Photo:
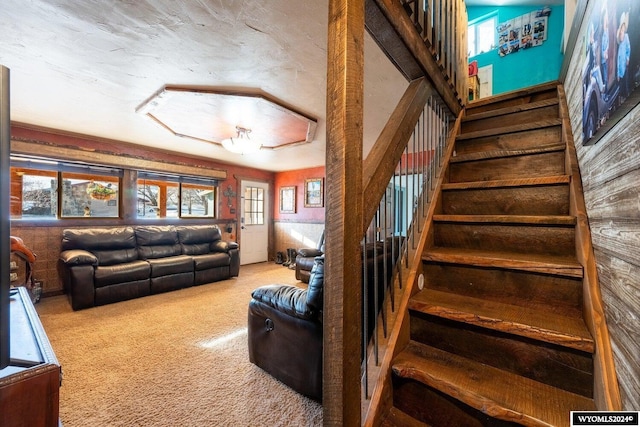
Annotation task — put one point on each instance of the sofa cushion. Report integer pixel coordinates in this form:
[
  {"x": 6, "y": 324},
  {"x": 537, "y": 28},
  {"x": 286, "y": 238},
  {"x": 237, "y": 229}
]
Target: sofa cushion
[
  {"x": 121, "y": 273},
  {"x": 286, "y": 299},
  {"x": 195, "y": 248},
  {"x": 170, "y": 265},
  {"x": 213, "y": 260},
  {"x": 111, "y": 245},
  {"x": 157, "y": 241},
  {"x": 223, "y": 246},
  {"x": 78, "y": 257},
  {"x": 98, "y": 238},
  {"x": 116, "y": 256},
  {"x": 189, "y": 234}
]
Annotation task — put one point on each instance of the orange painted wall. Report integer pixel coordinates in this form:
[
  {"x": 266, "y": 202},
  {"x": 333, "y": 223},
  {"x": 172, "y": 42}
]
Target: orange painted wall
[{"x": 297, "y": 178}]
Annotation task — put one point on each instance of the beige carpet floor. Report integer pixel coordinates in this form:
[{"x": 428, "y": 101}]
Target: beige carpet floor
[{"x": 173, "y": 359}]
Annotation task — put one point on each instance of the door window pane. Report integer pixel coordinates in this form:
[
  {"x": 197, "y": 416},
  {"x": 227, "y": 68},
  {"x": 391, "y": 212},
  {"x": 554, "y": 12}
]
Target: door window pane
[{"x": 253, "y": 206}]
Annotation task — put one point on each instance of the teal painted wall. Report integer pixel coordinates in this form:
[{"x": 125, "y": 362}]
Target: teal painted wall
[{"x": 526, "y": 67}]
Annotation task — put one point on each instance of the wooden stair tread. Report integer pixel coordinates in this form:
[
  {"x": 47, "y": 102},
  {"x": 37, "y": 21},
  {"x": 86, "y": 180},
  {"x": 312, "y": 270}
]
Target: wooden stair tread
[
  {"x": 509, "y": 219},
  {"x": 519, "y": 93},
  {"x": 497, "y": 154},
  {"x": 552, "y": 264},
  {"x": 397, "y": 418},
  {"x": 500, "y": 394},
  {"x": 512, "y": 319},
  {"x": 505, "y": 183},
  {"x": 510, "y": 110},
  {"x": 510, "y": 129}
]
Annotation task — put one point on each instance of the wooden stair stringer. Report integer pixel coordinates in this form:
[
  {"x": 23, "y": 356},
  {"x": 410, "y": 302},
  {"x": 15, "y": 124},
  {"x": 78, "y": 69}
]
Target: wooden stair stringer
[
  {"x": 497, "y": 393},
  {"x": 606, "y": 388}
]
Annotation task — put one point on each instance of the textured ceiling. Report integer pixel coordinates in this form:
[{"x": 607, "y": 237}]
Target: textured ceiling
[{"x": 86, "y": 66}]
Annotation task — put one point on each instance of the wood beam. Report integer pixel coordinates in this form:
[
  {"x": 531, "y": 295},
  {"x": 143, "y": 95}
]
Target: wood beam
[
  {"x": 39, "y": 148},
  {"x": 343, "y": 214},
  {"x": 383, "y": 158}
]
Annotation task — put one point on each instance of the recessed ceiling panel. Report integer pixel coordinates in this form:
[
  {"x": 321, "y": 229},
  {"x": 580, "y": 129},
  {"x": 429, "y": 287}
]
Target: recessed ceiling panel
[{"x": 213, "y": 115}]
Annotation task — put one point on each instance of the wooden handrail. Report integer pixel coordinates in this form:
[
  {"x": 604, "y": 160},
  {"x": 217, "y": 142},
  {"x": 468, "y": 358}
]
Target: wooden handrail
[{"x": 383, "y": 158}]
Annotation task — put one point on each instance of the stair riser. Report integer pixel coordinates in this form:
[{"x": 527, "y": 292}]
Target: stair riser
[
  {"x": 518, "y": 238},
  {"x": 538, "y": 138},
  {"x": 437, "y": 409},
  {"x": 521, "y": 117},
  {"x": 540, "y": 96},
  {"x": 515, "y": 167},
  {"x": 543, "y": 292},
  {"x": 529, "y": 200},
  {"x": 557, "y": 366}
]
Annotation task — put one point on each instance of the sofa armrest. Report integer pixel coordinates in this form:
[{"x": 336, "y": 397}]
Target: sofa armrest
[
  {"x": 309, "y": 252},
  {"x": 223, "y": 246},
  {"x": 287, "y": 299},
  {"x": 78, "y": 257}
]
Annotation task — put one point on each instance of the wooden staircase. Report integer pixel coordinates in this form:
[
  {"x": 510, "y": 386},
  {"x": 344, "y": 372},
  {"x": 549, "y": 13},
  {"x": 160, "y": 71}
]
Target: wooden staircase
[{"x": 496, "y": 335}]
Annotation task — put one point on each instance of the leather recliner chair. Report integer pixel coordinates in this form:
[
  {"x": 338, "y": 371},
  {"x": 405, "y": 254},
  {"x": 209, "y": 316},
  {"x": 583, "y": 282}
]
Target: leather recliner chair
[
  {"x": 285, "y": 332},
  {"x": 285, "y": 321},
  {"x": 305, "y": 259}
]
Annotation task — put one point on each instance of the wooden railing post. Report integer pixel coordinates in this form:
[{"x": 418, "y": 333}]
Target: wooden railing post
[{"x": 343, "y": 214}]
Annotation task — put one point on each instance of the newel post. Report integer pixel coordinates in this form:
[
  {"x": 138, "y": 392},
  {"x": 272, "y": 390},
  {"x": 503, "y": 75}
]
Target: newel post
[{"x": 343, "y": 215}]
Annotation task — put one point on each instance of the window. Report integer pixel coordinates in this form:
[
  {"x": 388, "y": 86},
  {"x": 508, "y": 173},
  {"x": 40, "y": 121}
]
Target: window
[
  {"x": 253, "y": 206},
  {"x": 163, "y": 196},
  {"x": 49, "y": 189},
  {"x": 86, "y": 195},
  {"x": 197, "y": 200},
  {"x": 482, "y": 34},
  {"x": 43, "y": 189},
  {"x": 158, "y": 197},
  {"x": 34, "y": 193}
]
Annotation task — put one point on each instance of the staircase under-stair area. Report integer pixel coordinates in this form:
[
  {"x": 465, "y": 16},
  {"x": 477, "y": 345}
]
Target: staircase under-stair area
[{"x": 497, "y": 336}]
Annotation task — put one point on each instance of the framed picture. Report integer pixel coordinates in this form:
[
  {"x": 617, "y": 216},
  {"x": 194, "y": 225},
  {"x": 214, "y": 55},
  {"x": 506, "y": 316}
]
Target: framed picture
[
  {"x": 610, "y": 74},
  {"x": 288, "y": 199},
  {"x": 313, "y": 193}
]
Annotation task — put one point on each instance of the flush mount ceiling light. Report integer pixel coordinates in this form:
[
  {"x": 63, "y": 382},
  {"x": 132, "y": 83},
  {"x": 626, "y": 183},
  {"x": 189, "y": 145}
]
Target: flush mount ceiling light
[
  {"x": 241, "y": 144},
  {"x": 213, "y": 114}
]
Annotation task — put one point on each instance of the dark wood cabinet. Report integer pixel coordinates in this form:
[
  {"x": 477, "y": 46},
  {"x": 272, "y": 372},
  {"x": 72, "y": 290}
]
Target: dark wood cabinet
[{"x": 29, "y": 387}]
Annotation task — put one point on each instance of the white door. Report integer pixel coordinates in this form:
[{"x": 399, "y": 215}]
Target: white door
[
  {"x": 485, "y": 75},
  {"x": 254, "y": 220}
]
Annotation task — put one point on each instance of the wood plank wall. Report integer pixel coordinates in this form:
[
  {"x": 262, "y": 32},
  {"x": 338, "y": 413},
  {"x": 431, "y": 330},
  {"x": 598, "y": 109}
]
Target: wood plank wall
[{"x": 610, "y": 173}]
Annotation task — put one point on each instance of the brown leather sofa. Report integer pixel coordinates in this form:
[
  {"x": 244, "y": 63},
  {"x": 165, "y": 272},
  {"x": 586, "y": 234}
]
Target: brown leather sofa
[
  {"x": 285, "y": 321},
  {"x": 105, "y": 265}
]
